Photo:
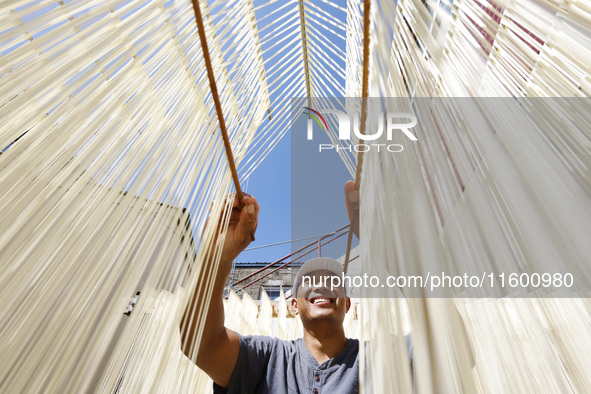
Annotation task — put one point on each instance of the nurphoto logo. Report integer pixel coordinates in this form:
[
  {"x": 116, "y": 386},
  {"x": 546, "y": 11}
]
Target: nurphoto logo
[{"x": 391, "y": 122}]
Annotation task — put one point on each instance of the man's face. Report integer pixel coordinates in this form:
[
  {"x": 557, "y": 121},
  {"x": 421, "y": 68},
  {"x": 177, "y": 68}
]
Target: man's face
[{"x": 316, "y": 301}]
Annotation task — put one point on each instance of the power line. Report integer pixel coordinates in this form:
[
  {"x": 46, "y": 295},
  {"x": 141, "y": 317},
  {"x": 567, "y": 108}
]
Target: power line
[{"x": 293, "y": 240}]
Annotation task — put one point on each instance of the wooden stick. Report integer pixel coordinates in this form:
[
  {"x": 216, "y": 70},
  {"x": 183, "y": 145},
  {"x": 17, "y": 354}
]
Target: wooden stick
[
  {"x": 216, "y": 99},
  {"x": 364, "y": 93}
]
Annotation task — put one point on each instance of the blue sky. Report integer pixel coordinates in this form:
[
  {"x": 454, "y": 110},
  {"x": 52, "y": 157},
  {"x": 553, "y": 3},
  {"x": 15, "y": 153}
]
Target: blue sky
[
  {"x": 270, "y": 183},
  {"x": 300, "y": 193}
]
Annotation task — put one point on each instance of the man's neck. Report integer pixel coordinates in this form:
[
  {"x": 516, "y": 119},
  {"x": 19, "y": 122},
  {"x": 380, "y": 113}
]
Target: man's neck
[{"x": 325, "y": 344}]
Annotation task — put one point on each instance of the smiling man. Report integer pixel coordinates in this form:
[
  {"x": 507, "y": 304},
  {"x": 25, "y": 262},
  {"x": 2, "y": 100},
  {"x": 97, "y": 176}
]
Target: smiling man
[
  {"x": 323, "y": 361},
  {"x": 334, "y": 365}
]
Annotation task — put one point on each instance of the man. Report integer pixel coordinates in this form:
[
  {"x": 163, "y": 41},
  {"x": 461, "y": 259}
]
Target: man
[{"x": 324, "y": 360}]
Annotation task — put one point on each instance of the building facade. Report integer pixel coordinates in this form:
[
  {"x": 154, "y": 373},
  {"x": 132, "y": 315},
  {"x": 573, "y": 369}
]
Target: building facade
[{"x": 272, "y": 283}]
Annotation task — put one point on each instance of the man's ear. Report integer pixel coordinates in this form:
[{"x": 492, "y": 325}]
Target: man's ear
[
  {"x": 294, "y": 306},
  {"x": 348, "y": 305}
]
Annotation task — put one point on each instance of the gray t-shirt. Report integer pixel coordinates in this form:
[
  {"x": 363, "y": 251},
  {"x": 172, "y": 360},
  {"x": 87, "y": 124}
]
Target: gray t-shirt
[{"x": 271, "y": 365}]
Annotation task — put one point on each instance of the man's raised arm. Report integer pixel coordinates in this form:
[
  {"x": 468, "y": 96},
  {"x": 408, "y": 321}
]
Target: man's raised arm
[{"x": 219, "y": 347}]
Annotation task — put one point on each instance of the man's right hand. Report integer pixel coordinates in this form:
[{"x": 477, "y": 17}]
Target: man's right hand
[{"x": 242, "y": 227}]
